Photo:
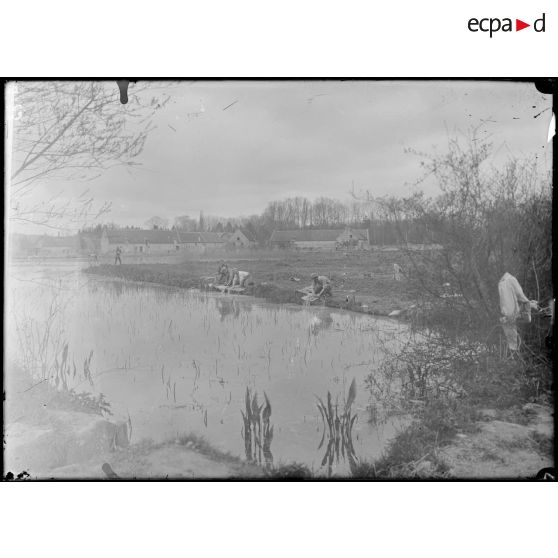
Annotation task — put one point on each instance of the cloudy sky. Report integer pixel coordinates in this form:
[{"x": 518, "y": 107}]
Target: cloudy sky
[{"x": 228, "y": 148}]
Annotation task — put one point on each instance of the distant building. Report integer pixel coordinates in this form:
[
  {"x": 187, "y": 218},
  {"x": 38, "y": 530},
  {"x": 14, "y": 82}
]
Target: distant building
[
  {"x": 354, "y": 238},
  {"x": 201, "y": 241},
  {"x": 239, "y": 239},
  {"x": 190, "y": 241},
  {"x": 321, "y": 239},
  {"x": 139, "y": 241},
  {"x": 213, "y": 240},
  {"x": 158, "y": 241}
]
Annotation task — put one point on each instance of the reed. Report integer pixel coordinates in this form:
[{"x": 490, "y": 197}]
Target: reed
[
  {"x": 257, "y": 430},
  {"x": 338, "y": 421}
]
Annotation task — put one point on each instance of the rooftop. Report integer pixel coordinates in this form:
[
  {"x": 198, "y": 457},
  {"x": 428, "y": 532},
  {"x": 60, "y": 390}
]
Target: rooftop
[
  {"x": 140, "y": 236},
  {"x": 316, "y": 235}
]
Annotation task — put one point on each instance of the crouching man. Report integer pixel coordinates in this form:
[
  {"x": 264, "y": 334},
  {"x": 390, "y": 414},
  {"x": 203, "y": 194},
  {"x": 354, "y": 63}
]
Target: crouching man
[
  {"x": 240, "y": 278},
  {"x": 321, "y": 285},
  {"x": 222, "y": 276}
]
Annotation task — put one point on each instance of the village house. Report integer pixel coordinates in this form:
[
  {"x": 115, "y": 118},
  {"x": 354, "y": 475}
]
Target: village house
[
  {"x": 239, "y": 239},
  {"x": 159, "y": 241},
  {"x": 213, "y": 240},
  {"x": 200, "y": 241},
  {"x": 321, "y": 239},
  {"x": 354, "y": 238},
  {"x": 139, "y": 241},
  {"x": 190, "y": 241}
]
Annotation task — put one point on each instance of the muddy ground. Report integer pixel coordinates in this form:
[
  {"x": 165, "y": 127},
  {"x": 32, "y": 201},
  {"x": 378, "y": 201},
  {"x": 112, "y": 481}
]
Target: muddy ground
[{"x": 504, "y": 447}]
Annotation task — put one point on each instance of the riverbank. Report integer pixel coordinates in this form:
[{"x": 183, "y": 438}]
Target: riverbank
[
  {"x": 498, "y": 444},
  {"x": 362, "y": 281},
  {"x": 187, "y": 457},
  {"x": 57, "y": 434},
  {"x": 476, "y": 413}
]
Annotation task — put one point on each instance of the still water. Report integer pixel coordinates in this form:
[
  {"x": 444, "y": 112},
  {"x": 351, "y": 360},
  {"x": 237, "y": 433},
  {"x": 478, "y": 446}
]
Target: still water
[{"x": 179, "y": 361}]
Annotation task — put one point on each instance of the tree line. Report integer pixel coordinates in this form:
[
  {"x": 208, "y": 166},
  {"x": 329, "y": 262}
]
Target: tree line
[{"x": 298, "y": 213}]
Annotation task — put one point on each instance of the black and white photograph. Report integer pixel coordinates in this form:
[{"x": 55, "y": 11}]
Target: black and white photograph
[{"x": 278, "y": 279}]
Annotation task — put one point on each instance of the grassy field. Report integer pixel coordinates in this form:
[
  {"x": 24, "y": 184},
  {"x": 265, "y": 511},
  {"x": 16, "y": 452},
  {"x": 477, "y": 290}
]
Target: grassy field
[{"x": 366, "y": 277}]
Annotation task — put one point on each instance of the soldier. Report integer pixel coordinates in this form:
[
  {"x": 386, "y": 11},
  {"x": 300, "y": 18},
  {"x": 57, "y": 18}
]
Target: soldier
[
  {"x": 117, "y": 258},
  {"x": 321, "y": 285},
  {"x": 223, "y": 277},
  {"x": 513, "y": 305},
  {"x": 240, "y": 278}
]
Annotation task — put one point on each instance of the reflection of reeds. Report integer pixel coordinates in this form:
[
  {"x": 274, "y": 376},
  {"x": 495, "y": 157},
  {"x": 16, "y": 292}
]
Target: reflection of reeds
[
  {"x": 87, "y": 367},
  {"x": 257, "y": 430},
  {"x": 63, "y": 371},
  {"x": 338, "y": 426}
]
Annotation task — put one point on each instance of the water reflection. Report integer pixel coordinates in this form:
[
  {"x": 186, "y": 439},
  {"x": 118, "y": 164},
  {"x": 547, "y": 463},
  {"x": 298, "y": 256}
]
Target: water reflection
[
  {"x": 257, "y": 430},
  {"x": 321, "y": 322},
  {"x": 227, "y": 306},
  {"x": 338, "y": 421}
]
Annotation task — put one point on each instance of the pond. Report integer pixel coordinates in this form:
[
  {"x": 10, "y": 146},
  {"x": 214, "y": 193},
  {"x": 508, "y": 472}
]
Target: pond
[{"x": 180, "y": 361}]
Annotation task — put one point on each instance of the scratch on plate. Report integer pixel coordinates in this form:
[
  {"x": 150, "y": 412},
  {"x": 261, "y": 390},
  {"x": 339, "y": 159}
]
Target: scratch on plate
[
  {"x": 538, "y": 114},
  {"x": 229, "y": 106}
]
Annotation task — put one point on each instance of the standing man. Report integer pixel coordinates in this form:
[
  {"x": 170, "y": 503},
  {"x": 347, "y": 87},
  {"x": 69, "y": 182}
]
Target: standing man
[
  {"x": 397, "y": 272},
  {"x": 321, "y": 285},
  {"x": 513, "y": 303},
  {"x": 117, "y": 259}
]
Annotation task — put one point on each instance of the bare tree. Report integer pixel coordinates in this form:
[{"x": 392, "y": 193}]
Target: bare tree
[
  {"x": 73, "y": 131},
  {"x": 201, "y": 222},
  {"x": 185, "y": 223}
]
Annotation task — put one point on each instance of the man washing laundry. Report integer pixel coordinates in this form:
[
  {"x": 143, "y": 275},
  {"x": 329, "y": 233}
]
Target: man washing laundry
[
  {"x": 513, "y": 305},
  {"x": 321, "y": 285}
]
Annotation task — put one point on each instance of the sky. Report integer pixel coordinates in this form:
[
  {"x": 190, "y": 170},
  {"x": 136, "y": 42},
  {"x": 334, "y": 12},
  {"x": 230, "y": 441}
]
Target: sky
[{"x": 228, "y": 148}]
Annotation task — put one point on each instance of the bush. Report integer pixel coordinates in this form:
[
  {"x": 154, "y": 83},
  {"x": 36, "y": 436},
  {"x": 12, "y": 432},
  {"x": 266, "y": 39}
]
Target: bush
[
  {"x": 487, "y": 221},
  {"x": 443, "y": 382}
]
